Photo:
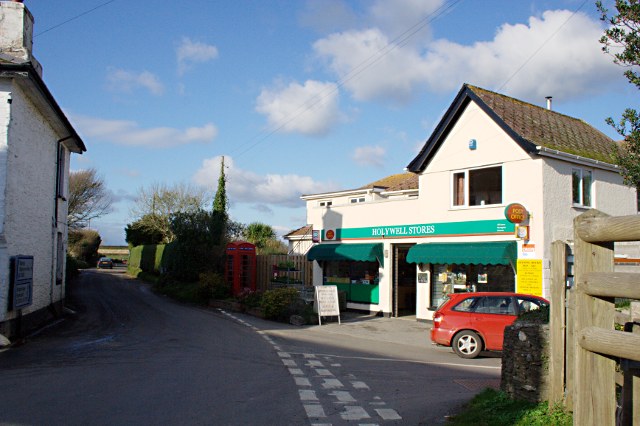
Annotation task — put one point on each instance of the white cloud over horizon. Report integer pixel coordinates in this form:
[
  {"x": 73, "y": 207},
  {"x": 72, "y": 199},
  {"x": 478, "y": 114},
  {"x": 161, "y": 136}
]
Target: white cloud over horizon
[
  {"x": 310, "y": 108},
  {"x": 557, "y": 53},
  {"x": 191, "y": 52},
  {"x": 119, "y": 80},
  {"x": 244, "y": 186},
  {"x": 130, "y": 133},
  {"x": 369, "y": 155}
]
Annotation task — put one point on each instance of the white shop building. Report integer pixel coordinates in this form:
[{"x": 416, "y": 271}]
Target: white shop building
[{"x": 495, "y": 184}]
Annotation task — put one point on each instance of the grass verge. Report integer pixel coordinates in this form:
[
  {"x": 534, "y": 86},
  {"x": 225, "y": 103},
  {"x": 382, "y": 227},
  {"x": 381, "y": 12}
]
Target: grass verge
[{"x": 494, "y": 408}]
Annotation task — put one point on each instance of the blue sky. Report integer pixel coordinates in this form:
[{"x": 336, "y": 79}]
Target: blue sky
[{"x": 300, "y": 97}]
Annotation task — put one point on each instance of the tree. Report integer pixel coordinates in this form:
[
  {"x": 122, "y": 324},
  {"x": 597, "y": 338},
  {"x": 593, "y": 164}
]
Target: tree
[
  {"x": 88, "y": 198},
  {"x": 156, "y": 205},
  {"x": 259, "y": 234},
  {"x": 623, "y": 37},
  {"x": 139, "y": 233},
  {"x": 220, "y": 217},
  {"x": 220, "y": 201},
  {"x": 84, "y": 244}
]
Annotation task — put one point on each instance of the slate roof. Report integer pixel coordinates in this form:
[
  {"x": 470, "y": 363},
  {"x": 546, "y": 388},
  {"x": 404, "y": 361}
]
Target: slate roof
[
  {"x": 300, "y": 232},
  {"x": 397, "y": 182},
  {"x": 529, "y": 125}
]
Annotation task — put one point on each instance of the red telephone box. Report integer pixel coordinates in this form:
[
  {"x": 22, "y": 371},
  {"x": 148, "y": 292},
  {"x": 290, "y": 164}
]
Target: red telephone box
[{"x": 240, "y": 267}]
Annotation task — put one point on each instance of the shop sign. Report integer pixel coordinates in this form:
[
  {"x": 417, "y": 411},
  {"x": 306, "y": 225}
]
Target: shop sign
[
  {"x": 478, "y": 227},
  {"x": 516, "y": 213},
  {"x": 327, "y": 299},
  {"x": 530, "y": 276},
  {"x": 528, "y": 251},
  {"x": 315, "y": 236}
]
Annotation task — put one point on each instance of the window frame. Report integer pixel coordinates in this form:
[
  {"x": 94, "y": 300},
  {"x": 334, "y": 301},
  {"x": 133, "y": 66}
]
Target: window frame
[
  {"x": 461, "y": 177},
  {"x": 580, "y": 202},
  {"x": 357, "y": 200}
]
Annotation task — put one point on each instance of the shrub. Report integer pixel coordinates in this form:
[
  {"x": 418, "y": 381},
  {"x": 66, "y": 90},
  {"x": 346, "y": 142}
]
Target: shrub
[
  {"x": 211, "y": 285},
  {"x": 249, "y": 298},
  {"x": 538, "y": 316},
  {"x": 275, "y": 303},
  {"x": 84, "y": 244}
]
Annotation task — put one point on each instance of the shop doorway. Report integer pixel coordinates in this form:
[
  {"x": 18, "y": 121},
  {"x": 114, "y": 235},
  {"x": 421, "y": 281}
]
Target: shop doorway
[{"x": 404, "y": 282}]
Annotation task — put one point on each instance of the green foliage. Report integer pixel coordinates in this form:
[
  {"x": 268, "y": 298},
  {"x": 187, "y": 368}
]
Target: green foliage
[
  {"x": 140, "y": 233},
  {"x": 495, "y": 408},
  {"x": 183, "y": 292},
  {"x": 623, "y": 34},
  {"x": 84, "y": 244},
  {"x": 250, "y": 298},
  {"x": 259, "y": 234},
  {"x": 198, "y": 246},
  {"x": 220, "y": 200},
  {"x": 212, "y": 285},
  {"x": 275, "y": 303},
  {"x": 538, "y": 316},
  {"x": 72, "y": 268}
]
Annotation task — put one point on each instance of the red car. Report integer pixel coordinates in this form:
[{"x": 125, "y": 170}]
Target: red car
[{"x": 473, "y": 322}]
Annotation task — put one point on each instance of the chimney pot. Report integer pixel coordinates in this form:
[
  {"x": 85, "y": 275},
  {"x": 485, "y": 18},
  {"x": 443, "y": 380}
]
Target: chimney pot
[{"x": 549, "y": 99}]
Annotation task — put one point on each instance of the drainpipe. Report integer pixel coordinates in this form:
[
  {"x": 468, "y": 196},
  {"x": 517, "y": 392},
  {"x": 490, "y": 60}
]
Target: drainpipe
[{"x": 54, "y": 225}]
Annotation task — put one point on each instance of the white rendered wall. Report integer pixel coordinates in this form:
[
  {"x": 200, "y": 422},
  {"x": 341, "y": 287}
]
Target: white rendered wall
[{"x": 30, "y": 189}]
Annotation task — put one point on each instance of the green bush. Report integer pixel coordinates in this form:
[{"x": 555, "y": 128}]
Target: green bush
[
  {"x": 250, "y": 298},
  {"x": 538, "y": 316},
  {"x": 84, "y": 244},
  {"x": 211, "y": 285},
  {"x": 276, "y": 303}
]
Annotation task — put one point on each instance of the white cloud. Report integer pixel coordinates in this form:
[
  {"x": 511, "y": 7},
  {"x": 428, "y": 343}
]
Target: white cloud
[
  {"x": 395, "y": 17},
  {"x": 369, "y": 156},
  {"x": 126, "y": 132},
  {"x": 120, "y": 80},
  {"x": 310, "y": 109},
  {"x": 191, "y": 52},
  {"x": 556, "y": 54},
  {"x": 244, "y": 186}
]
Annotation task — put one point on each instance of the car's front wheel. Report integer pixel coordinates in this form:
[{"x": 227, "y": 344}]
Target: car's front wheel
[{"x": 467, "y": 344}]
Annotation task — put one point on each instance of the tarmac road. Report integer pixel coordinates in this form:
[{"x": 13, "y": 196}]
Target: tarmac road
[{"x": 132, "y": 357}]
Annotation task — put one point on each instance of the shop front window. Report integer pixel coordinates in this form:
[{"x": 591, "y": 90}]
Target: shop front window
[
  {"x": 454, "y": 278},
  {"x": 359, "y": 280}
]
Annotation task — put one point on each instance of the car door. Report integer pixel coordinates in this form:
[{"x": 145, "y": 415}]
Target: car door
[{"x": 492, "y": 315}]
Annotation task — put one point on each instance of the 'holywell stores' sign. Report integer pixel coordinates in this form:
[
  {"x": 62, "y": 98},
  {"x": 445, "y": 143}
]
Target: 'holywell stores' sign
[{"x": 477, "y": 227}]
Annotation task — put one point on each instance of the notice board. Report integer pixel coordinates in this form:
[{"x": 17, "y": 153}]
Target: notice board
[
  {"x": 327, "y": 300},
  {"x": 530, "y": 276}
]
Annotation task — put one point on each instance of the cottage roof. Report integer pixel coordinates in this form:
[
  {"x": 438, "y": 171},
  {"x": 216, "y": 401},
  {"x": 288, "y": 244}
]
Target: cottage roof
[
  {"x": 529, "y": 125},
  {"x": 397, "y": 182},
  {"x": 300, "y": 232}
]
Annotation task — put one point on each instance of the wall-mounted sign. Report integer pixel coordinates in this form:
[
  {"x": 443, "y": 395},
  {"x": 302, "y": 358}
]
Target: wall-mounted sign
[
  {"x": 315, "y": 236},
  {"x": 516, "y": 213},
  {"x": 21, "y": 281},
  {"x": 522, "y": 231},
  {"x": 330, "y": 235},
  {"x": 530, "y": 276}
]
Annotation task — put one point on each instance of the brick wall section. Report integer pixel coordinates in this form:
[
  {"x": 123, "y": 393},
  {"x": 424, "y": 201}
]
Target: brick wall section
[{"x": 525, "y": 361}]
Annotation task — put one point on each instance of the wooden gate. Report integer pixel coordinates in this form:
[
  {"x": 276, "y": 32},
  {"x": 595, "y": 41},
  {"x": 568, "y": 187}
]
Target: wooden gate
[{"x": 584, "y": 374}]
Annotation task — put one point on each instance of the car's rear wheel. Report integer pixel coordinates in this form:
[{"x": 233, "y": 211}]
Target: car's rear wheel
[{"x": 467, "y": 344}]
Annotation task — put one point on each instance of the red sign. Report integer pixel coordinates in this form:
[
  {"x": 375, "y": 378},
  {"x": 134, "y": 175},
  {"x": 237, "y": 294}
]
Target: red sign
[
  {"x": 331, "y": 234},
  {"x": 516, "y": 213}
]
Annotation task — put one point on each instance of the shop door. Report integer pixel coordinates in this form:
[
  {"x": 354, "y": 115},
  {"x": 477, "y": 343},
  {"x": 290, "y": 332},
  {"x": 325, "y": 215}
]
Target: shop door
[{"x": 404, "y": 282}]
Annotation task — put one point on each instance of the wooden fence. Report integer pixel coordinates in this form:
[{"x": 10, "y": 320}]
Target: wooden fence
[
  {"x": 585, "y": 347},
  {"x": 298, "y": 273}
]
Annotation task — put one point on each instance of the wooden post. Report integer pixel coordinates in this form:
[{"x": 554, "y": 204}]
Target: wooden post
[
  {"x": 557, "y": 322},
  {"x": 594, "y": 391}
]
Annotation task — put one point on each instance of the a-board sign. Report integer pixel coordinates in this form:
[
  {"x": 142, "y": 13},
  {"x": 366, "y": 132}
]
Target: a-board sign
[
  {"x": 327, "y": 299},
  {"x": 22, "y": 281}
]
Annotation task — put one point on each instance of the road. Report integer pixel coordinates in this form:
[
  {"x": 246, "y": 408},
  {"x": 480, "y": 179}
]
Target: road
[{"x": 132, "y": 357}]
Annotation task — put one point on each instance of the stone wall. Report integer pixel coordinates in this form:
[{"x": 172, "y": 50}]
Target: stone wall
[{"x": 525, "y": 359}]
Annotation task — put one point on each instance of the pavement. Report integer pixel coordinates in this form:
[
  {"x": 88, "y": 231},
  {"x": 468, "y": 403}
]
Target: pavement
[{"x": 401, "y": 330}]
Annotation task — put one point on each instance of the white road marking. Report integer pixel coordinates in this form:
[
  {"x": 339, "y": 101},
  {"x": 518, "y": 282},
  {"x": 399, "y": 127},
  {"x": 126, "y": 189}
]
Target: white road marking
[
  {"x": 284, "y": 355},
  {"x": 314, "y": 364},
  {"x": 354, "y": 413},
  {"x": 289, "y": 363},
  {"x": 314, "y": 410},
  {"x": 323, "y": 372},
  {"x": 309, "y": 355},
  {"x": 332, "y": 384},
  {"x": 302, "y": 381},
  {"x": 296, "y": 372},
  {"x": 388, "y": 414},
  {"x": 343, "y": 396},
  {"x": 307, "y": 395},
  {"x": 359, "y": 385}
]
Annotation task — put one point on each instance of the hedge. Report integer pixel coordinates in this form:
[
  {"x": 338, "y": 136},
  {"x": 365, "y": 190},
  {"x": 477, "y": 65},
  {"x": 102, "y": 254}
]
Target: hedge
[{"x": 147, "y": 258}]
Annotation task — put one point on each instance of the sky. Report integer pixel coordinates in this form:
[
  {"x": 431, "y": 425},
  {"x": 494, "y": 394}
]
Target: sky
[{"x": 299, "y": 96}]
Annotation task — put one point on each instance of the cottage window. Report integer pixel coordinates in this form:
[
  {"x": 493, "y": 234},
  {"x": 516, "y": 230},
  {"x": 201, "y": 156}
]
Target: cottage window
[
  {"x": 60, "y": 181},
  {"x": 357, "y": 200},
  {"x": 477, "y": 187},
  {"x": 582, "y": 182},
  {"x": 325, "y": 203}
]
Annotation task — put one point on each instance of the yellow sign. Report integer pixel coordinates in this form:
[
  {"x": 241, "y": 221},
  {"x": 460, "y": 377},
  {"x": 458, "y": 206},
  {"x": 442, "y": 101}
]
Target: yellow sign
[{"x": 530, "y": 276}]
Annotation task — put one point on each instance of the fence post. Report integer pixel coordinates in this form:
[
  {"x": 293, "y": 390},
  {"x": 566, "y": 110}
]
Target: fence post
[
  {"x": 594, "y": 375},
  {"x": 557, "y": 322}
]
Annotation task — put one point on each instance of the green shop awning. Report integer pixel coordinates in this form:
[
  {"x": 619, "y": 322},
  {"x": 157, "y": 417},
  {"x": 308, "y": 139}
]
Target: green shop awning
[
  {"x": 358, "y": 252},
  {"x": 489, "y": 253}
]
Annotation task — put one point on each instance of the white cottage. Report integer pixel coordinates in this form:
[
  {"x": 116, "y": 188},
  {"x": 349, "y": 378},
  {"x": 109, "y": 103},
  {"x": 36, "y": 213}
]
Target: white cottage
[
  {"x": 36, "y": 140},
  {"x": 498, "y": 181}
]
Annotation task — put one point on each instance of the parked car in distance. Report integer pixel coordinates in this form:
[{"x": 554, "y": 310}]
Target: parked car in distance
[
  {"x": 105, "y": 263},
  {"x": 473, "y": 322}
]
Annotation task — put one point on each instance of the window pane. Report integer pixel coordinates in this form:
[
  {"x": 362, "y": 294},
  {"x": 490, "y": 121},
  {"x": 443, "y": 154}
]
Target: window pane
[
  {"x": 467, "y": 305},
  {"x": 586, "y": 188},
  {"x": 458, "y": 189},
  {"x": 485, "y": 186},
  {"x": 576, "y": 178}
]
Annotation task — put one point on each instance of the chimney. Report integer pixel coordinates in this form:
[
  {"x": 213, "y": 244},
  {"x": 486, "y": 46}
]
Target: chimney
[
  {"x": 16, "y": 34},
  {"x": 549, "y": 99}
]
